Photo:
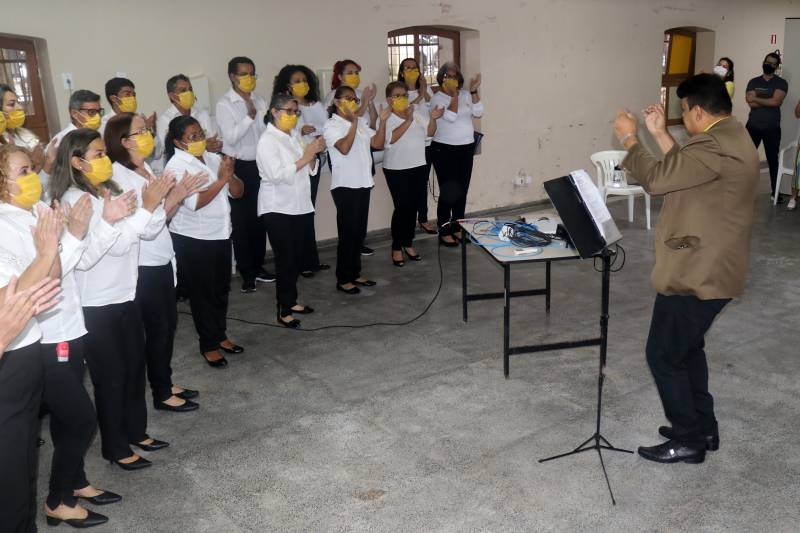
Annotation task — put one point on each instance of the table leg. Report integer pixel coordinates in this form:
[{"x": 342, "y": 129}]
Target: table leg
[
  {"x": 547, "y": 287},
  {"x": 464, "y": 238},
  {"x": 506, "y": 315}
]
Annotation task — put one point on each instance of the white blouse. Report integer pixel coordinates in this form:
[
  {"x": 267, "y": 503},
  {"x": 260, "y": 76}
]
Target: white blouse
[
  {"x": 284, "y": 189},
  {"x": 456, "y": 128},
  {"x": 212, "y": 222},
  {"x": 409, "y": 150},
  {"x": 354, "y": 170},
  {"x": 157, "y": 251},
  {"x": 312, "y": 115}
]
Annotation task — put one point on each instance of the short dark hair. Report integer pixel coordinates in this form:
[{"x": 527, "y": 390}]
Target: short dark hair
[
  {"x": 278, "y": 101},
  {"x": 281, "y": 82},
  {"x": 340, "y": 91},
  {"x": 729, "y": 75},
  {"x": 707, "y": 91},
  {"x": 401, "y": 75},
  {"x": 80, "y": 97},
  {"x": 774, "y": 55},
  {"x": 394, "y": 85},
  {"x": 239, "y": 60},
  {"x": 173, "y": 82},
  {"x": 117, "y": 129},
  {"x": 115, "y": 85},
  {"x": 177, "y": 127}
]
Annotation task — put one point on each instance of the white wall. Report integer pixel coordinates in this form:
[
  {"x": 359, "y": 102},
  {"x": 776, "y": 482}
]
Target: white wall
[{"x": 554, "y": 71}]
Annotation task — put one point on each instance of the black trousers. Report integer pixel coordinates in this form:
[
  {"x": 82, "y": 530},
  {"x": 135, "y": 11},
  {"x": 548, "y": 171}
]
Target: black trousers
[
  {"x": 206, "y": 268},
  {"x": 155, "y": 297},
  {"x": 352, "y": 210},
  {"x": 405, "y": 186},
  {"x": 72, "y": 421},
  {"x": 21, "y": 379},
  {"x": 310, "y": 261},
  {"x": 677, "y": 360},
  {"x": 287, "y": 234},
  {"x": 772, "y": 146},
  {"x": 249, "y": 239},
  {"x": 115, "y": 356},
  {"x": 453, "y": 164},
  {"x": 422, "y": 199}
]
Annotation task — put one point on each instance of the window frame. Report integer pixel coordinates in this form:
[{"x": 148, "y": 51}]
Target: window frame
[{"x": 416, "y": 31}]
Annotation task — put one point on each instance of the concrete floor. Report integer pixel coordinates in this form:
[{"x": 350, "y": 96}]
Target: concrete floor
[{"x": 414, "y": 428}]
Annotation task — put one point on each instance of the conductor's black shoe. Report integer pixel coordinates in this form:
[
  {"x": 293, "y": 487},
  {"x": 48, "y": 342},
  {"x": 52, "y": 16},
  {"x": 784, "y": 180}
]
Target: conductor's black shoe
[
  {"x": 366, "y": 250},
  {"x": 672, "y": 451},
  {"x": 265, "y": 276},
  {"x": 712, "y": 441},
  {"x": 187, "y": 405},
  {"x": 248, "y": 286}
]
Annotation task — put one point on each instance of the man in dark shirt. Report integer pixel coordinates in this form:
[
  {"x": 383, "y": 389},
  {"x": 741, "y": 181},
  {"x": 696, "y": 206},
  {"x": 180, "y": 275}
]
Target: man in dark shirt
[{"x": 765, "y": 95}]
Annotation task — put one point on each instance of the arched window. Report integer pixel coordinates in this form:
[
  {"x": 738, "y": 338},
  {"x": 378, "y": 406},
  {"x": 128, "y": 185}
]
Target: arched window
[{"x": 429, "y": 45}]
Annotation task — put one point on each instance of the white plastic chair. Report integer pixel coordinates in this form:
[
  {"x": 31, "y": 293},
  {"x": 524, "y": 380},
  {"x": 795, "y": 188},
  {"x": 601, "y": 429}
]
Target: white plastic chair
[
  {"x": 605, "y": 162},
  {"x": 783, "y": 169}
]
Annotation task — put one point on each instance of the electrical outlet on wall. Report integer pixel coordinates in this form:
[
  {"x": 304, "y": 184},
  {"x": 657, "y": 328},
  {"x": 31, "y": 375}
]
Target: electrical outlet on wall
[{"x": 66, "y": 77}]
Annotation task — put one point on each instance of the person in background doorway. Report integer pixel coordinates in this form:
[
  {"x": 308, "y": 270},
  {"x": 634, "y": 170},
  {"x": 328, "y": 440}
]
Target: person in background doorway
[
  {"x": 240, "y": 116},
  {"x": 121, "y": 96},
  {"x": 764, "y": 95},
  {"x": 724, "y": 70}
]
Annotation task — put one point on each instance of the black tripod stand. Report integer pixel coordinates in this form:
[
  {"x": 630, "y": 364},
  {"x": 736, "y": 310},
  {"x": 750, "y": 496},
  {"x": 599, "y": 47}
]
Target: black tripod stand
[{"x": 598, "y": 441}]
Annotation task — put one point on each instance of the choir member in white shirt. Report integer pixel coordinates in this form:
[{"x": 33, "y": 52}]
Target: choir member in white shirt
[
  {"x": 106, "y": 278},
  {"x": 121, "y": 96},
  {"x": 419, "y": 95},
  {"x": 302, "y": 84},
  {"x": 348, "y": 73},
  {"x": 404, "y": 165},
  {"x": 129, "y": 142},
  {"x": 182, "y": 99},
  {"x": 12, "y": 120},
  {"x": 285, "y": 163},
  {"x": 240, "y": 117},
  {"x": 349, "y": 141},
  {"x": 72, "y": 415},
  {"x": 453, "y": 147},
  {"x": 201, "y": 230}
]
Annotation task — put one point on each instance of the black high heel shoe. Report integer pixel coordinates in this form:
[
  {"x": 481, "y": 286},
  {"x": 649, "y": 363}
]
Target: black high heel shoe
[
  {"x": 104, "y": 498},
  {"x": 138, "y": 464},
  {"x": 153, "y": 446},
  {"x": 400, "y": 262},
  {"x": 91, "y": 520},
  {"x": 412, "y": 257},
  {"x": 219, "y": 363}
]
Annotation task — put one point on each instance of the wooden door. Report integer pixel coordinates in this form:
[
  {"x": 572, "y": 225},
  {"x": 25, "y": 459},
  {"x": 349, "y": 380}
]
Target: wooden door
[{"x": 19, "y": 69}]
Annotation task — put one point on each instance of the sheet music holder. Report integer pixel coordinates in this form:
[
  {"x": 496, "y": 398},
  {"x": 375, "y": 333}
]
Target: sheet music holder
[{"x": 583, "y": 212}]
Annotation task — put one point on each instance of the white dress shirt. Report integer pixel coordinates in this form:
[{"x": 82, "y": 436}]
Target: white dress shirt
[
  {"x": 284, "y": 189},
  {"x": 109, "y": 276},
  {"x": 13, "y": 264},
  {"x": 108, "y": 116},
  {"x": 240, "y": 133},
  {"x": 353, "y": 170},
  {"x": 211, "y": 222},
  {"x": 456, "y": 128},
  {"x": 162, "y": 126},
  {"x": 64, "y": 322},
  {"x": 312, "y": 115},
  {"x": 157, "y": 251},
  {"x": 409, "y": 150}
]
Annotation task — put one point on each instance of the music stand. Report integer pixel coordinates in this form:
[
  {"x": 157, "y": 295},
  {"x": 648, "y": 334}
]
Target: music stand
[{"x": 591, "y": 229}]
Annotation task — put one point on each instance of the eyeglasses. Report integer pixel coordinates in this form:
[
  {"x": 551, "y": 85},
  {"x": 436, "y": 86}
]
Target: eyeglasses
[
  {"x": 141, "y": 131},
  {"x": 351, "y": 99},
  {"x": 255, "y": 76},
  {"x": 93, "y": 112},
  {"x": 290, "y": 111},
  {"x": 450, "y": 76},
  {"x": 196, "y": 137}
]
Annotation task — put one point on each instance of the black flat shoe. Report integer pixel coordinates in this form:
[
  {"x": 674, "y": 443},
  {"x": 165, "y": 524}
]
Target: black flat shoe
[
  {"x": 324, "y": 266},
  {"x": 366, "y": 250},
  {"x": 292, "y": 324},
  {"x": 187, "y": 394},
  {"x": 712, "y": 441},
  {"x": 236, "y": 349},
  {"x": 447, "y": 244},
  {"x": 138, "y": 464},
  {"x": 91, "y": 520},
  {"x": 154, "y": 446},
  {"x": 306, "y": 310},
  {"x": 353, "y": 290},
  {"x": 672, "y": 451},
  {"x": 412, "y": 257},
  {"x": 104, "y": 498},
  {"x": 367, "y": 283},
  {"x": 186, "y": 406},
  {"x": 219, "y": 363}
]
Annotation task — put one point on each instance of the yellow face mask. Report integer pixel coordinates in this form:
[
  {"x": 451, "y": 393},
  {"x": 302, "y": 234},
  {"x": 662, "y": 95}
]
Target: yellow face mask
[
  {"x": 400, "y": 104},
  {"x": 92, "y": 122},
  {"x": 145, "y": 144},
  {"x": 300, "y": 90},
  {"x": 101, "y": 170},
  {"x": 127, "y": 104},
  {"x": 30, "y": 190},
  {"x": 247, "y": 83},
  {"x": 450, "y": 84},
  {"x": 196, "y": 148},
  {"x": 2, "y": 122},
  {"x": 287, "y": 122},
  {"x": 15, "y": 119},
  {"x": 186, "y": 99},
  {"x": 348, "y": 105},
  {"x": 352, "y": 80},
  {"x": 411, "y": 76}
]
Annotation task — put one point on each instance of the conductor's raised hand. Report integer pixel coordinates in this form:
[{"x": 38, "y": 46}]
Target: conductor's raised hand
[
  {"x": 625, "y": 125},
  {"x": 654, "y": 119}
]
